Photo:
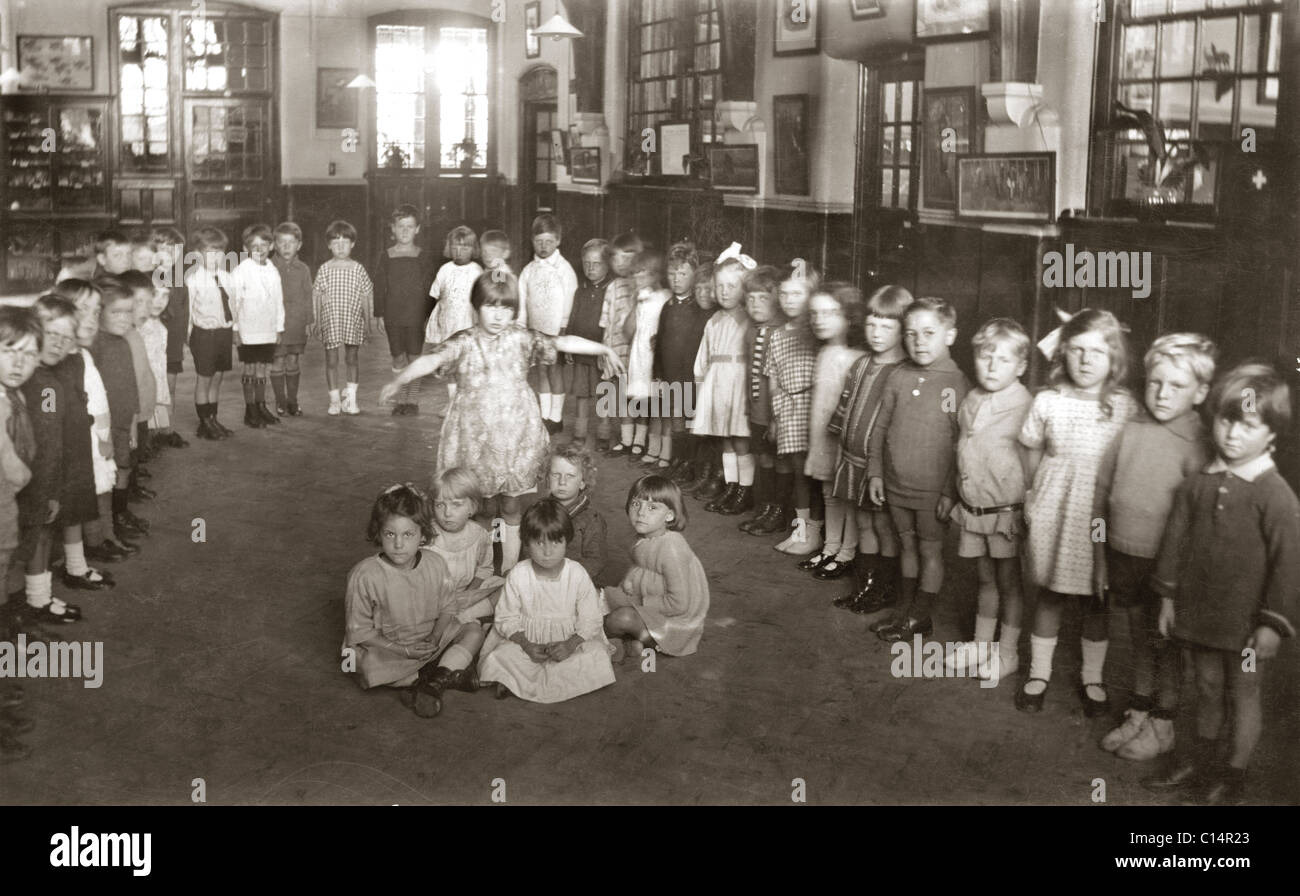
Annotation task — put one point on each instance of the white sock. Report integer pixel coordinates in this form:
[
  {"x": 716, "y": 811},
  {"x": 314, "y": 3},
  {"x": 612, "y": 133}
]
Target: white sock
[
  {"x": 625, "y": 434},
  {"x": 352, "y": 392},
  {"x": 1009, "y": 641},
  {"x": 75, "y": 556},
  {"x": 451, "y": 392},
  {"x": 654, "y": 445},
  {"x": 510, "y": 545},
  {"x": 1040, "y": 657},
  {"x": 745, "y": 468},
  {"x": 455, "y": 658},
  {"x": 666, "y": 447},
  {"x": 557, "y": 407},
  {"x": 730, "y": 471},
  {"x": 639, "y": 433},
  {"x": 40, "y": 589},
  {"x": 1094, "y": 658},
  {"x": 985, "y": 626},
  {"x": 334, "y": 396},
  {"x": 544, "y": 403}
]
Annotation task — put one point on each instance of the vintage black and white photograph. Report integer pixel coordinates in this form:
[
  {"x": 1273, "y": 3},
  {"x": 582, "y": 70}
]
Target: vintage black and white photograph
[{"x": 653, "y": 403}]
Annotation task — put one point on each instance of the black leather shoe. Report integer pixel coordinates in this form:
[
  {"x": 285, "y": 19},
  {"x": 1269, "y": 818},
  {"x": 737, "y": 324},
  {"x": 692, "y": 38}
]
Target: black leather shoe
[
  {"x": 1031, "y": 702},
  {"x": 816, "y": 561},
  {"x": 129, "y": 523},
  {"x": 265, "y": 413},
  {"x": 1183, "y": 773},
  {"x": 836, "y": 569},
  {"x": 875, "y": 597},
  {"x": 713, "y": 488},
  {"x": 779, "y": 521},
  {"x": 765, "y": 510},
  {"x": 465, "y": 680},
  {"x": 294, "y": 410},
  {"x": 718, "y": 503},
  {"x": 905, "y": 630},
  {"x": 684, "y": 475},
  {"x": 742, "y": 500},
  {"x": 252, "y": 419},
  {"x": 108, "y": 552},
  {"x": 44, "y": 615},
  {"x": 220, "y": 430},
  {"x": 174, "y": 439},
  {"x": 1093, "y": 708},
  {"x": 85, "y": 582},
  {"x": 206, "y": 432}
]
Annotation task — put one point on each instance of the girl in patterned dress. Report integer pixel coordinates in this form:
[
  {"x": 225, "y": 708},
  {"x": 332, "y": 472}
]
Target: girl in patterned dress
[
  {"x": 451, "y": 289},
  {"x": 493, "y": 427},
  {"x": 791, "y": 363},
  {"x": 1070, "y": 425},
  {"x": 344, "y": 310},
  {"x": 720, "y": 408}
]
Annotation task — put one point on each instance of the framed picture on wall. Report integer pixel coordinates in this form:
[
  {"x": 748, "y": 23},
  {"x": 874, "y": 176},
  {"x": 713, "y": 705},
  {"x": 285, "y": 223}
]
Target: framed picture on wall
[
  {"x": 336, "y": 105},
  {"x": 55, "y": 62},
  {"x": 734, "y": 167},
  {"x": 790, "y": 131},
  {"x": 951, "y": 19},
  {"x": 947, "y": 131},
  {"x": 796, "y": 28},
  {"x": 532, "y": 18},
  {"x": 1016, "y": 186},
  {"x": 584, "y": 164},
  {"x": 866, "y": 9},
  {"x": 674, "y": 144}
]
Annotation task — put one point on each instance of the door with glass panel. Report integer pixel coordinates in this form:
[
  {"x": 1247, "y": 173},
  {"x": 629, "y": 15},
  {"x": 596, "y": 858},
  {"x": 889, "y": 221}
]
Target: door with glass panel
[{"x": 195, "y": 114}]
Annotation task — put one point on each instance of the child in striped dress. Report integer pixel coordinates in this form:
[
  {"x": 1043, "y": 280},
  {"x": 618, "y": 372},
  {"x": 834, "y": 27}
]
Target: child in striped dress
[
  {"x": 344, "y": 310},
  {"x": 876, "y": 563}
]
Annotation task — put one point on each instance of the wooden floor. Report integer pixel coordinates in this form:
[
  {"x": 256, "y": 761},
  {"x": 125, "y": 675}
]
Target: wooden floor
[{"x": 222, "y": 663}]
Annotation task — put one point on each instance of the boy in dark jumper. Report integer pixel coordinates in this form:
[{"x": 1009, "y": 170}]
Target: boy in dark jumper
[{"x": 112, "y": 356}]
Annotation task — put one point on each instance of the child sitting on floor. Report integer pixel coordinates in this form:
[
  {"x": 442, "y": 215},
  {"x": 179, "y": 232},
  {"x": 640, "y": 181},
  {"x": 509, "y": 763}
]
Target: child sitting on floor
[
  {"x": 462, "y": 543},
  {"x": 546, "y": 644},
  {"x": 664, "y": 597},
  {"x": 401, "y": 627}
]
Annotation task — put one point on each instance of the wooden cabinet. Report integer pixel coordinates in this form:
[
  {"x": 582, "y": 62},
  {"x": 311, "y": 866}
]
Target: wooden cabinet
[{"x": 53, "y": 165}]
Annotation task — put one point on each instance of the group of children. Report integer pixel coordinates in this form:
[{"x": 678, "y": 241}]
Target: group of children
[{"x": 846, "y": 426}]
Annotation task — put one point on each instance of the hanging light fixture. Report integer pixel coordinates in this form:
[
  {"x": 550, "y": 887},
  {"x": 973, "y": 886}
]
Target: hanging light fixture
[
  {"x": 360, "y": 81},
  {"x": 557, "y": 27}
]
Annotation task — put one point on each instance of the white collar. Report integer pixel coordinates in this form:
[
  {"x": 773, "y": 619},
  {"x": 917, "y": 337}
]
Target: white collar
[{"x": 1249, "y": 471}]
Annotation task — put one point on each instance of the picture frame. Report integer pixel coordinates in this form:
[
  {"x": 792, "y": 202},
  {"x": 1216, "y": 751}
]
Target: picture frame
[
  {"x": 948, "y": 129},
  {"x": 1007, "y": 186},
  {"x": 734, "y": 167},
  {"x": 866, "y": 9},
  {"x": 532, "y": 18},
  {"x": 951, "y": 19},
  {"x": 790, "y": 132},
  {"x": 674, "y": 145},
  {"x": 56, "y": 63},
  {"x": 336, "y": 104},
  {"x": 584, "y": 164},
  {"x": 796, "y": 38}
]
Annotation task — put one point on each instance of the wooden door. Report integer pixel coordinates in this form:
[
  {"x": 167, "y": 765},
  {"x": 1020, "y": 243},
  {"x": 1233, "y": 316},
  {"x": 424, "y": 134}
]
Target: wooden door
[
  {"x": 539, "y": 161},
  {"x": 229, "y": 177}
]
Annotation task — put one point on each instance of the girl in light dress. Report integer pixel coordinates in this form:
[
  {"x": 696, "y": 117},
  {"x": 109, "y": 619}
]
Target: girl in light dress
[
  {"x": 451, "y": 290},
  {"x": 1069, "y": 427},
  {"x": 546, "y": 643}
]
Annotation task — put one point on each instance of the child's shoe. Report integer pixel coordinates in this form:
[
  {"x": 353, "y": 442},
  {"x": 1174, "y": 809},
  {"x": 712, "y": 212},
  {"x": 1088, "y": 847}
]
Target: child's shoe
[
  {"x": 965, "y": 656},
  {"x": 805, "y": 539},
  {"x": 67, "y": 613},
  {"x": 602, "y": 446},
  {"x": 1155, "y": 738},
  {"x": 336, "y": 403},
  {"x": 252, "y": 419},
  {"x": 1134, "y": 721},
  {"x": 281, "y": 410},
  {"x": 174, "y": 439},
  {"x": 265, "y": 413},
  {"x": 997, "y": 665},
  {"x": 92, "y": 580},
  {"x": 350, "y": 405},
  {"x": 294, "y": 410}
]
